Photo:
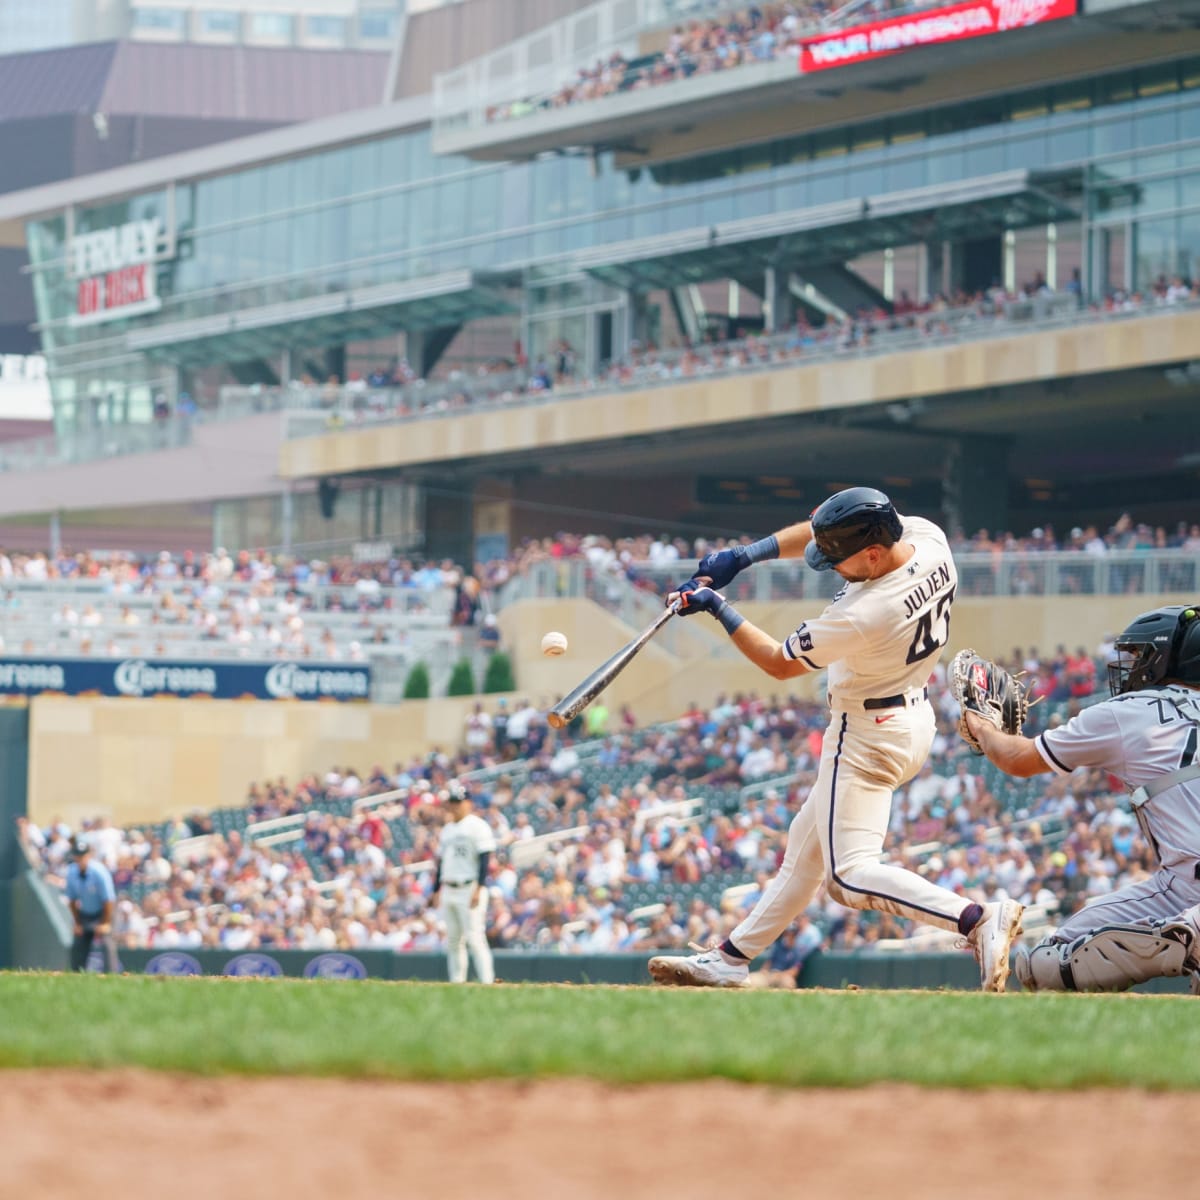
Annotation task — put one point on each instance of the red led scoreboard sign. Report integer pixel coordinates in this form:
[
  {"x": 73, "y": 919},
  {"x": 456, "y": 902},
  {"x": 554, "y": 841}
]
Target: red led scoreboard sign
[
  {"x": 115, "y": 273},
  {"x": 951, "y": 24}
]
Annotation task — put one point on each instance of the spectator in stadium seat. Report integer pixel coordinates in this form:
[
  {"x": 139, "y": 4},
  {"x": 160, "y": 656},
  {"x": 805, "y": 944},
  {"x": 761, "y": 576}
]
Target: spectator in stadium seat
[{"x": 489, "y": 633}]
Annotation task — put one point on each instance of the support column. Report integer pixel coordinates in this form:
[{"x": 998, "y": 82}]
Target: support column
[
  {"x": 769, "y": 325},
  {"x": 492, "y": 519},
  {"x": 639, "y": 318},
  {"x": 975, "y": 485},
  {"x": 448, "y": 521},
  {"x": 423, "y": 347},
  {"x": 931, "y": 279},
  {"x": 335, "y": 362},
  {"x": 785, "y": 301},
  {"x": 287, "y": 518},
  {"x": 977, "y": 264}
]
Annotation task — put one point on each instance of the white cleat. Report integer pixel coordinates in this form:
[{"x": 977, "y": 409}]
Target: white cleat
[
  {"x": 699, "y": 970},
  {"x": 992, "y": 941}
]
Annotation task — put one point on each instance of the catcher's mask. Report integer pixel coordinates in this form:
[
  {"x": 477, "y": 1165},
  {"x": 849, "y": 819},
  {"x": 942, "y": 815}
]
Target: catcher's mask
[
  {"x": 1158, "y": 645},
  {"x": 848, "y": 522}
]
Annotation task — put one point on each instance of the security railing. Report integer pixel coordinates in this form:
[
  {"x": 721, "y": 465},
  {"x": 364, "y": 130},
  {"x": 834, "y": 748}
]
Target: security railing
[
  {"x": 87, "y": 445},
  {"x": 1012, "y": 573},
  {"x": 777, "y": 352},
  {"x": 316, "y": 409},
  {"x": 521, "y": 76}
]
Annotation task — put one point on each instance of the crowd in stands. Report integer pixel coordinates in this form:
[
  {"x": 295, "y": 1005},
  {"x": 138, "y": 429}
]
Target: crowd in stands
[
  {"x": 904, "y": 324},
  {"x": 252, "y": 602},
  {"x": 757, "y": 33},
  {"x": 259, "y": 602},
  {"x": 629, "y": 864}
]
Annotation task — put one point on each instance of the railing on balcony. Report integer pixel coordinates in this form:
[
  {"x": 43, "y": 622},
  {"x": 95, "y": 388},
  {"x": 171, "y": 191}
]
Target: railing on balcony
[
  {"x": 1014, "y": 573},
  {"x": 348, "y": 409}
]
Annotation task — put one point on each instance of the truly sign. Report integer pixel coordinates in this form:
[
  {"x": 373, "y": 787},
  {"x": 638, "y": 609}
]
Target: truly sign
[{"x": 114, "y": 270}]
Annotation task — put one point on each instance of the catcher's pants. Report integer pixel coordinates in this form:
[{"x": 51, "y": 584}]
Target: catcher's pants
[
  {"x": 836, "y": 838},
  {"x": 466, "y": 927},
  {"x": 1160, "y": 898}
]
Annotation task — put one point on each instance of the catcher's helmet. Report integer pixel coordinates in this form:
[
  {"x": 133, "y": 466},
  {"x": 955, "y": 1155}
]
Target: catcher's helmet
[
  {"x": 1158, "y": 645},
  {"x": 848, "y": 522}
]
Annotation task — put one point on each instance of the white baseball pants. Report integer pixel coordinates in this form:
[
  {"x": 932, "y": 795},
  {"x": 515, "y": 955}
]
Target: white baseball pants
[
  {"x": 466, "y": 928},
  {"x": 836, "y": 838}
]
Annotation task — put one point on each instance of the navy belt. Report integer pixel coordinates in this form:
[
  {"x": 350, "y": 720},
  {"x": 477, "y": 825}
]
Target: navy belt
[{"x": 892, "y": 701}]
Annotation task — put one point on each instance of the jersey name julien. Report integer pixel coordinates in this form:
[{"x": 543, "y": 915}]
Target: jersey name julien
[
  {"x": 461, "y": 844},
  {"x": 882, "y": 637},
  {"x": 1139, "y": 738}
]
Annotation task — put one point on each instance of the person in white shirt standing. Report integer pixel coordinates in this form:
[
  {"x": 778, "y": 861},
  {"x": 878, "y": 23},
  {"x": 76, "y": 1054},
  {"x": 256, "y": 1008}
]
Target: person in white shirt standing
[
  {"x": 1147, "y": 735},
  {"x": 465, "y": 848},
  {"x": 879, "y": 637}
]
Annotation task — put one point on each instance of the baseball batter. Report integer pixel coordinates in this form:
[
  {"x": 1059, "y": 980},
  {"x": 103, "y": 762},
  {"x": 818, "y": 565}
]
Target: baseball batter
[
  {"x": 465, "y": 848},
  {"x": 1146, "y": 735},
  {"x": 879, "y": 638}
]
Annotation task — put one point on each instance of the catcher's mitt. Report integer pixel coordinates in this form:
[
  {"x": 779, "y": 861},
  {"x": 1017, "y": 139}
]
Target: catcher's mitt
[{"x": 984, "y": 688}]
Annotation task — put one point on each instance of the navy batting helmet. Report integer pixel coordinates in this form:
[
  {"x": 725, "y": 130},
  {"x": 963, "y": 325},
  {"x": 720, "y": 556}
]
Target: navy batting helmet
[{"x": 848, "y": 522}]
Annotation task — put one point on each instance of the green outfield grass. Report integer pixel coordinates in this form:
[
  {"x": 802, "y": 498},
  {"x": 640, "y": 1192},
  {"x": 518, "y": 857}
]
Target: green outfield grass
[{"x": 623, "y": 1035}]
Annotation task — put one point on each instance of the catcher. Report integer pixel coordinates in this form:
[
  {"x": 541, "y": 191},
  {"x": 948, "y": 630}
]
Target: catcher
[{"x": 1146, "y": 735}]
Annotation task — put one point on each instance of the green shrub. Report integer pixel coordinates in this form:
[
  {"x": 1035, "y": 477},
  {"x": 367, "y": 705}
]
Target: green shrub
[
  {"x": 499, "y": 674},
  {"x": 462, "y": 680},
  {"x": 416, "y": 686}
]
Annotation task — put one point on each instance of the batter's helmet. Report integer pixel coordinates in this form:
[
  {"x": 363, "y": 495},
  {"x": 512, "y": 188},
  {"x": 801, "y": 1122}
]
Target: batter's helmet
[
  {"x": 1158, "y": 645},
  {"x": 848, "y": 522}
]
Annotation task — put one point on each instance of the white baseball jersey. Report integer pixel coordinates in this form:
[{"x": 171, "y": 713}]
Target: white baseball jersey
[
  {"x": 1140, "y": 737},
  {"x": 460, "y": 846},
  {"x": 882, "y": 637}
]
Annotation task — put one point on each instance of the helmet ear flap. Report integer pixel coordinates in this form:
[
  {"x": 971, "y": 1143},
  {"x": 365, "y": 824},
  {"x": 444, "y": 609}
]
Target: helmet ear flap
[{"x": 1185, "y": 655}]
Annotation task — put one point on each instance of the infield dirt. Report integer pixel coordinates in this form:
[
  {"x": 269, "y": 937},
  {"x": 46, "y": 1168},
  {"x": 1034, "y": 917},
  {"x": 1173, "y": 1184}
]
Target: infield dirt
[{"x": 69, "y": 1133}]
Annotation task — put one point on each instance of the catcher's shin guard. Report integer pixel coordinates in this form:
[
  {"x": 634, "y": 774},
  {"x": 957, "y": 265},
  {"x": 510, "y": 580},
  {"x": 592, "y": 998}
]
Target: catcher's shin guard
[{"x": 1110, "y": 959}]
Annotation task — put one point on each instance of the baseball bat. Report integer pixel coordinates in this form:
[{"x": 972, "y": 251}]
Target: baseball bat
[{"x": 571, "y": 705}]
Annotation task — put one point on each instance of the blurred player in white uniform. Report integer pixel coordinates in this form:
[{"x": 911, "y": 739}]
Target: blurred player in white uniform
[
  {"x": 879, "y": 637},
  {"x": 465, "y": 848},
  {"x": 1147, "y": 735}
]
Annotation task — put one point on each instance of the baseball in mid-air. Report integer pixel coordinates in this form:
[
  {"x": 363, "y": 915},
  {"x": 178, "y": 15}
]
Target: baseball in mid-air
[{"x": 554, "y": 643}]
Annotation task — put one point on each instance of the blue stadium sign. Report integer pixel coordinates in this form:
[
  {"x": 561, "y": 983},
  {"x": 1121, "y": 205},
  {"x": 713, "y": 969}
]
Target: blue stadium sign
[
  {"x": 174, "y": 962},
  {"x": 248, "y": 966},
  {"x": 215, "y": 679},
  {"x": 335, "y": 966}
]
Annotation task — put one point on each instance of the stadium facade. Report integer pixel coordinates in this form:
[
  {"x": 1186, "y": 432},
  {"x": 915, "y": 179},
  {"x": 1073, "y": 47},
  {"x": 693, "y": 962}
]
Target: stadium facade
[
  {"x": 949, "y": 150},
  {"x": 312, "y": 24},
  {"x": 84, "y": 109}
]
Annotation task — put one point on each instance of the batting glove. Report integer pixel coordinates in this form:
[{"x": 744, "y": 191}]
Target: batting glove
[
  {"x": 722, "y": 566},
  {"x": 695, "y": 597}
]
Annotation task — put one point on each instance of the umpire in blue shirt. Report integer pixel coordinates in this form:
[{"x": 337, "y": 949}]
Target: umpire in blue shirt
[{"x": 92, "y": 898}]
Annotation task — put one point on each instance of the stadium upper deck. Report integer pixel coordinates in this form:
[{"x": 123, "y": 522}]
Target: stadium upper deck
[{"x": 1059, "y": 157}]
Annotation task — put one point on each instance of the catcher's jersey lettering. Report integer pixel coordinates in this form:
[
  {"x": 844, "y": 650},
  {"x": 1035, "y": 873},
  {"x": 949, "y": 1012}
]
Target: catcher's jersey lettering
[
  {"x": 1139, "y": 738},
  {"x": 881, "y": 637}
]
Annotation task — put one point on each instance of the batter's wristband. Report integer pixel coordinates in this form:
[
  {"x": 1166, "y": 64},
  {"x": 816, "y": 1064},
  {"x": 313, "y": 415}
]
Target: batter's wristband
[
  {"x": 731, "y": 620},
  {"x": 764, "y": 548}
]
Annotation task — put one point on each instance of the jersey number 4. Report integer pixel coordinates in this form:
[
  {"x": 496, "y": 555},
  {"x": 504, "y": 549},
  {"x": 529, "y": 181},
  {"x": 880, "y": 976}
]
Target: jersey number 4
[{"x": 925, "y": 642}]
